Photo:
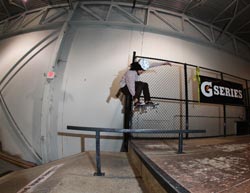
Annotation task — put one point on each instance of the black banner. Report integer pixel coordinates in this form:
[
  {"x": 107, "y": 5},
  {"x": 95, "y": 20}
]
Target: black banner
[{"x": 219, "y": 91}]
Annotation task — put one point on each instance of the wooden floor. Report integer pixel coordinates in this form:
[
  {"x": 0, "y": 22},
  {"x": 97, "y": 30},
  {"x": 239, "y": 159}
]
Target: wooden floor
[{"x": 219, "y": 165}]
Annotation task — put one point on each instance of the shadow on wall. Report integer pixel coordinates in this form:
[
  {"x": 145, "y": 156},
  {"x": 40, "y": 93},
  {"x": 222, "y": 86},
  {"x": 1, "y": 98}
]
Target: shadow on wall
[{"x": 115, "y": 88}]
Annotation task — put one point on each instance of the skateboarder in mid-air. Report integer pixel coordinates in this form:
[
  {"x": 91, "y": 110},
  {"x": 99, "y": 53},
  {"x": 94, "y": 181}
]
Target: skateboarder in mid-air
[{"x": 130, "y": 84}]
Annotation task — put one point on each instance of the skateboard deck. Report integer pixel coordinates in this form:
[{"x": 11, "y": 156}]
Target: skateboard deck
[{"x": 143, "y": 108}]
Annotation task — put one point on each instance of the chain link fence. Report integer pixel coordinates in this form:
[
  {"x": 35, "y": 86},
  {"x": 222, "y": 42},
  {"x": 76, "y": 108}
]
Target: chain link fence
[{"x": 176, "y": 89}]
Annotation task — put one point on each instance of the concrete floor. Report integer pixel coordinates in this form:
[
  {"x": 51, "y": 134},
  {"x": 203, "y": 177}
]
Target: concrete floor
[
  {"x": 75, "y": 175},
  {"x": 219, "y": 165}
]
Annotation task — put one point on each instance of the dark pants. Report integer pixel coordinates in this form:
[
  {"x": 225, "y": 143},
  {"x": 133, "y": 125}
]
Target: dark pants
[{"x": 140, "y": 87}]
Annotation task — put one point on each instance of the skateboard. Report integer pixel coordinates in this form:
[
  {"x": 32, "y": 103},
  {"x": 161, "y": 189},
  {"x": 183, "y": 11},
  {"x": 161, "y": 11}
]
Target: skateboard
[{"x": 143, "y": 108}]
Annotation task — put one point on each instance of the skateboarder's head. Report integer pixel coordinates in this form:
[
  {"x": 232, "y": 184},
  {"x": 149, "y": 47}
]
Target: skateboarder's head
[
  {"x": 135, "y": 66},
  {"x": 144, "y": 64},
  {"x": 141, "y": 65}
]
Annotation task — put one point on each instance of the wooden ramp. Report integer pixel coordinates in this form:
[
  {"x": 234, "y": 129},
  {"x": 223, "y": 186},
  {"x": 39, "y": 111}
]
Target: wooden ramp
[
  {"x": 220, "y": 165},
  {"x": 74, "y": 174}
]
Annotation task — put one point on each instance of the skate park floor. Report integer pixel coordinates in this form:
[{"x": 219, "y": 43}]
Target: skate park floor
[
  {"x": 74, "y": 174},
  {"x": 219, "y": 165}
]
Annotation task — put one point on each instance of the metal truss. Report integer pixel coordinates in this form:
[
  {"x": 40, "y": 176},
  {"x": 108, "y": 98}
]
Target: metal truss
[
  {"x": 49, "y": 17},
  {"x": 136, "y": 16},
  {"x": 175, "y": 24}
]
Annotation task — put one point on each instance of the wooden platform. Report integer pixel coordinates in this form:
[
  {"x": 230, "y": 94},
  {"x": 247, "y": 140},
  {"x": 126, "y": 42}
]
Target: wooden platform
[{"x": 220, "y": 165}]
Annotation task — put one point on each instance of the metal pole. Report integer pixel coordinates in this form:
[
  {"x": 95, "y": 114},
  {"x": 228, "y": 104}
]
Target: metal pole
[
  {"x": 98, "y": 156},
  {"x": 225, "y": 120},
  {"x": 127, "y": 112},
  {"x": 180, "y": 144},
  {"x": 186, "y": 99},
  {"x": 247, "y": 116},
  {"x": 127, "y": 121},
  {"x": 127, "y": 116},
  {"x": 128, "y": 104},
  {"x": 224, "y": 115}
]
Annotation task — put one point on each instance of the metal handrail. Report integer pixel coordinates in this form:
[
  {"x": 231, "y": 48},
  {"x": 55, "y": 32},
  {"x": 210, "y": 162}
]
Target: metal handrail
[{"x": 149, "y": 131}]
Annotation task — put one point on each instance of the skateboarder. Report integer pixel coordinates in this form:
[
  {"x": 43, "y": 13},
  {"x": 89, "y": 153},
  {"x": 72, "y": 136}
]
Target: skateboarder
[{"x": 130, "y": 84}]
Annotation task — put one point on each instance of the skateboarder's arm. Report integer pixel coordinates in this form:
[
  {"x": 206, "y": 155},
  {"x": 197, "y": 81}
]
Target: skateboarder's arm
[{"x": 155, "y": 64}]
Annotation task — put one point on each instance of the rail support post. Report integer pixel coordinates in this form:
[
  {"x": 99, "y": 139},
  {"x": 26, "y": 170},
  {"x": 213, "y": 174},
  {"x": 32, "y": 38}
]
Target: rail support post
[
  {"x": 98, "y": 156},
  {"x": 180, "y": 144}
]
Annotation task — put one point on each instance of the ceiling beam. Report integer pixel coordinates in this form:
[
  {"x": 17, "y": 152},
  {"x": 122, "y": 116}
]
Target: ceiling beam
[
  {"x": 197, "y": 4},
  {"x": 223, "y": 11},
  {"x": 5, "y": 9},
  {"x": 165, "y": 20},
  {"x": 17, "y": 5},
  {"x": 187, "y": 6},
  {"x": 238, "y": 30},
  {"x": 24, "y": 4},
  {"x": 232, "y": 20},
  {"x": 89, "y": 11}
]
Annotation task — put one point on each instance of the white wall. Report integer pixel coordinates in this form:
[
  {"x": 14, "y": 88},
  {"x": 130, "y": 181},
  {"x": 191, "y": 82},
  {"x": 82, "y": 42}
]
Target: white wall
[
  {"x": 23, "y": 93},
  {"x": 97, "y": 59}
]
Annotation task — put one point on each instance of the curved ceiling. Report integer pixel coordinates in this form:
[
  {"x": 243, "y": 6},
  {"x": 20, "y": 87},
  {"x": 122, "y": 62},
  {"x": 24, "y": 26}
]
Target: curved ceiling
[{"x": 231, "y": 16}]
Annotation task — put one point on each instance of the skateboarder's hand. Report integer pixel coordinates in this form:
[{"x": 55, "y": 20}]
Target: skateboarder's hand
[{"x": 135, "y": 100}]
